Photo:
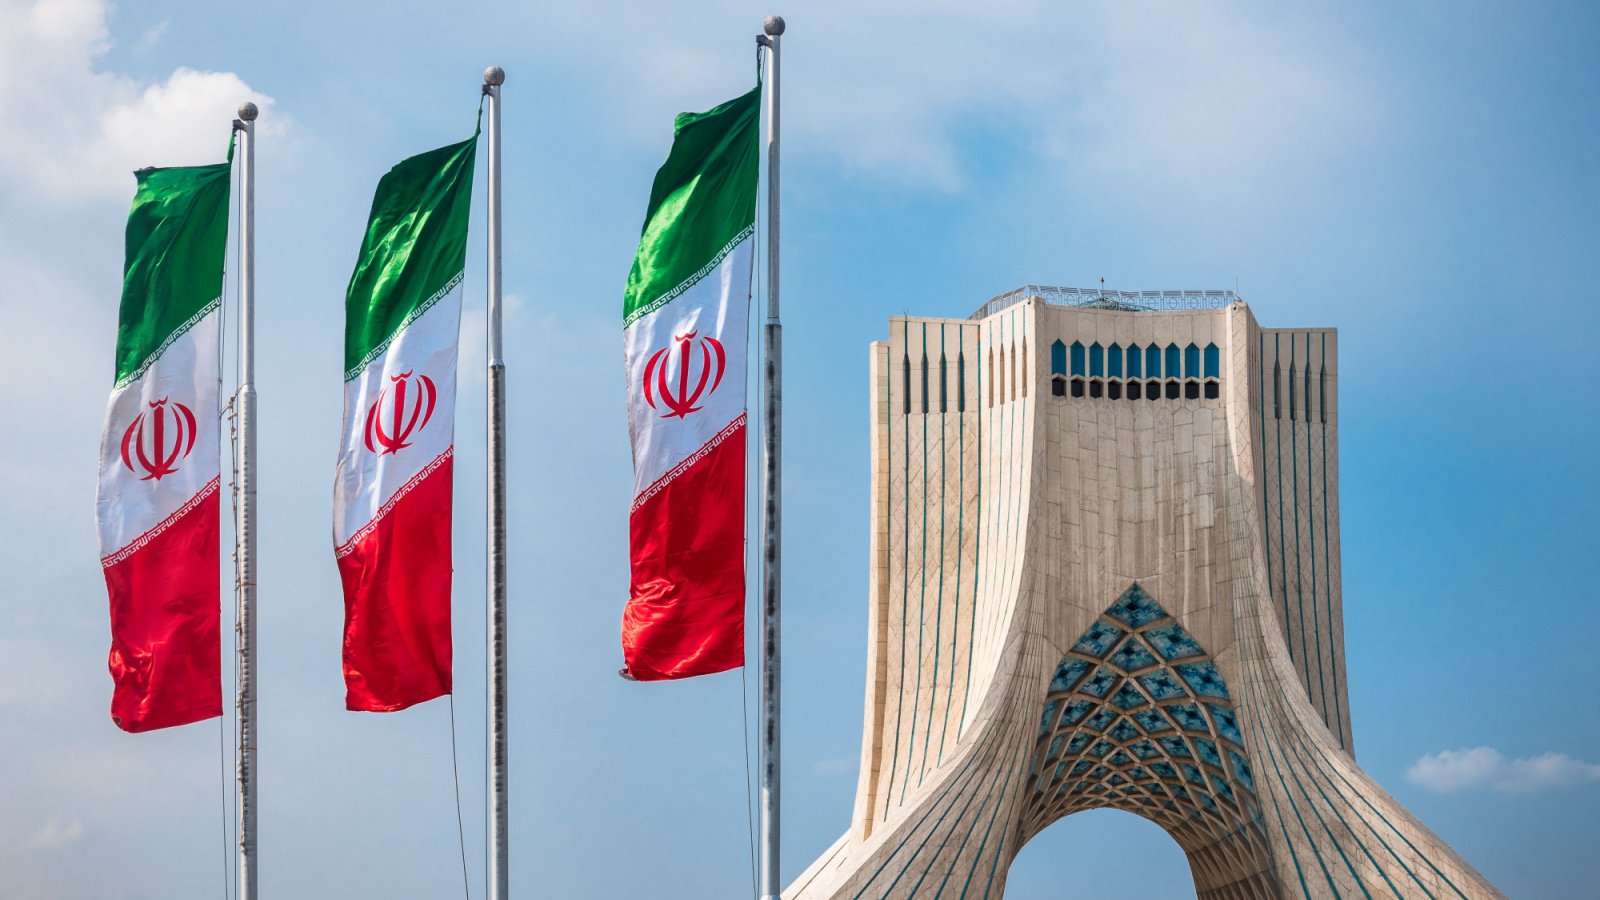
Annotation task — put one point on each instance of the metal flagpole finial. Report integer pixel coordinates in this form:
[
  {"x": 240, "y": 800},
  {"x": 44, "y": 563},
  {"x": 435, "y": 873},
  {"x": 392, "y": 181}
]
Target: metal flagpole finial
[
  {"x": 773, "y": 26},
  {"x": 494, "y": 76},
  {"x": 248, "y": 111}
]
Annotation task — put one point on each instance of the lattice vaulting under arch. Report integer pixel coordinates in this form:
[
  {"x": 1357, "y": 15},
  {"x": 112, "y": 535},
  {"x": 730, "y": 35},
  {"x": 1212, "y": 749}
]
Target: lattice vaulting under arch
[
  {"x": 1138, "y": 718},
  {"x": 1115, "y": 597}
]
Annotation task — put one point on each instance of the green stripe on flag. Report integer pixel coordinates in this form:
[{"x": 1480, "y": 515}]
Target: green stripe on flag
[
  {"x": 702, "y": 204},
  {"x": 172, "y": 274},
  {"x": 414, "y": 251}
]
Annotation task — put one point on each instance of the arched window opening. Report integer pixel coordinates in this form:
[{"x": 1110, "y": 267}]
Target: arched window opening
[
  {"x": 1134, "y": 387},
  {"x": 1114, "y": 390},
  {"x": 1152, "y": 362},
  {"x": 1058, "y": 385},
  {"x": 1291, "y": 392},
  {"x": 1191, "y": 390},
  {"x": 1191, "y": 361},
  {"x": 1000, "y": 384},
  {"x": 1174, "y": 365},
  {"x": 924, "y": 381},
  {"x": 990, "y": 397},
  {"x": 1213, "y": 361},
  {"x": 1058, "y": 358},
  {"x": 1212, "y": 390},
  {"x": 1172, "y": 390},
  {"x": 1097, "y": 360},
  {"x": 1152, "y": 390},
  {"x": 1022, "y": 368},
  {"x": 1135, "y": 357},
  {"x": 1114, "y": 361},
  {"x": 961, "y": 381},
  {"x": 944, "y": 384},
  {"x": 1077, "y": 359},
  {"x": 1308, "y": 392},
  {"x": 1097, "y": 388},
  {"x": 1077, "y": 387},
  {"x": 906, "y": 394},
  {"x": 1011, "y": 372},
  {"x": 1322, "y": 401},
  {"x": 1277, "y": 411}
]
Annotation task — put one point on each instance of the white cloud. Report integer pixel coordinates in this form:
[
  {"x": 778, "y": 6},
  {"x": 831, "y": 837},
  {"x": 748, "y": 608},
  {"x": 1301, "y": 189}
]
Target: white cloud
[
  {"x": 55, "y": 834},
  {"x": 1450, "y": 771},
  {"x": 74, "y": 133},
  {"x": 1145, "y": 100}
]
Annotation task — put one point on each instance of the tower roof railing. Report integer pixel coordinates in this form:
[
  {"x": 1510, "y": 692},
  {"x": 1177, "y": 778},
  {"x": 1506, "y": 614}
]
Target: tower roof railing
[{"x": 1100, "y": 298}]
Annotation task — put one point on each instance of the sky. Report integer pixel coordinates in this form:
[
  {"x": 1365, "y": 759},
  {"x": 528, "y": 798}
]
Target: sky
[{"x": 1421, "y": 176}]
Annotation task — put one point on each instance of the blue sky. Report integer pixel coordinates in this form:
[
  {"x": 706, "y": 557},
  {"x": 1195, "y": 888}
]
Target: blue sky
[{"x": 1422, "y": 177}]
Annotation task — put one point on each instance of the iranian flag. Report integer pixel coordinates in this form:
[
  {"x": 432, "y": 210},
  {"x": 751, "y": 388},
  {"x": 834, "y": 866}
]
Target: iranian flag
[
  {"x": 157, "y": 503},
  {"x": 685, "y": 317},
  {"x": 392, "y": 490}
]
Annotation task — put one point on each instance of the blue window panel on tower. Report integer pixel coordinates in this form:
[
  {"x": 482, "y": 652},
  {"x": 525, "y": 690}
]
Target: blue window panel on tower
[
  {"x": 1174, "y": 367},
  {"x": 1114, "y": 361},
  {"x": 1077, "y": 358},
  {"x": 1152, "y": 361},
  {"x": 1097, "y": 360},
  {"x": 1213, "y": 362},
  {"x": 1135, "y": 360},
  {"x": 1191, "y": 361},
  {"x": 1058, "y": 358}
]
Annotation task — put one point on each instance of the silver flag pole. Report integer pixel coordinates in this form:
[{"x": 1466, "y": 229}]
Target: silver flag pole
[
  {"x": 499, "y": 856},
  {"x": 245, "y": 630},
  {"x": 771, "y": 497}
]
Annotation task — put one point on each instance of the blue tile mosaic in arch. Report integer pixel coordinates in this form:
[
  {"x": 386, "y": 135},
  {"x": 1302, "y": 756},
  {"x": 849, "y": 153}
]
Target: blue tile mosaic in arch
[
  {"x": 1131, "y": 656},
  {"x": 1173, "y": 642},
  {"x": 1068, "y": 674},
  {"x": 1162, "y": 686},
  {"x": 1136, "y": 609},
  {"x": 1098, "y": 639},
  {"x": 1144, "y": 729}
]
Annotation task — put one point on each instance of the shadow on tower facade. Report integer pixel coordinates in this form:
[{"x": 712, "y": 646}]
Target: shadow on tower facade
[{"x": 1105, "y": 574}]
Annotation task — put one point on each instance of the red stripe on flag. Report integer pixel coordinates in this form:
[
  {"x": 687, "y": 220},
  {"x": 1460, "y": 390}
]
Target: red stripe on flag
[
  {"x": 685, "y": 613},
  {"x": 166, "y": 656},
  {"x": 396, "y": 575}
]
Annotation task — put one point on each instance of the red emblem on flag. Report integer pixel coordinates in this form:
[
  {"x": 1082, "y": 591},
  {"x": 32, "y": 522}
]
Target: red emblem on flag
[
  {"x": 682, "y": 403},
  {"x": 166, "y": 443},
  {"x": 405, "y": 415}
]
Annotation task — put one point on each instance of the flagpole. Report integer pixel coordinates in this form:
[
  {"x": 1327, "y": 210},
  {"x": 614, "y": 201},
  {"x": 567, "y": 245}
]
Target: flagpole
[
  {"x": 499, "y": 856},
  {"x": 772, "y": 496},
  {"x": 245, "y": 636}
]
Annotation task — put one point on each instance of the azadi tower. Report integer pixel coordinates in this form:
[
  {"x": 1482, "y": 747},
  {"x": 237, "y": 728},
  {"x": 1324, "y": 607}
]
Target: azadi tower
[{"x": 1105, "y": 573}]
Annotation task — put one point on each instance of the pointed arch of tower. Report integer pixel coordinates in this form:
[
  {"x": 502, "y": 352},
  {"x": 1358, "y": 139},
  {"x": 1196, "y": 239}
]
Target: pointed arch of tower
[{"x": 1138, "y": 718}]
